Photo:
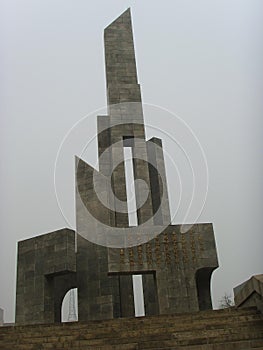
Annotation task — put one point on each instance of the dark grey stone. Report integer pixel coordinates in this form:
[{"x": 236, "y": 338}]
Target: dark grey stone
[{"x": 176, "y": 267}]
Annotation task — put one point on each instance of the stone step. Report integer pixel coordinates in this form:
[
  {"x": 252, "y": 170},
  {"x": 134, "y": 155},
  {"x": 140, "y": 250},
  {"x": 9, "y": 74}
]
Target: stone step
[
  {"x": 196, "y": 331},
  {"x": 148, "y": 328},
  {"x": 239, "y": 345},
  {"x": 201, "y": 341},
  {"x": 187, "y": 338},
  {"x": 180, "y": 338},
  {"x": 215, "y": 318},
  {"x": 161, "y": 345}
]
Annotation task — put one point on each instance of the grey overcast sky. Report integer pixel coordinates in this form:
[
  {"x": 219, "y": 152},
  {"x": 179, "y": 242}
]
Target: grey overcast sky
[{"x": 200, "y": 59}]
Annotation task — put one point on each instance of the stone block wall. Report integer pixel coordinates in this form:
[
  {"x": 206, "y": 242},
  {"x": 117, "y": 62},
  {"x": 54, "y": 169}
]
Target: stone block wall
[
  {"x": 46, "y": 270},
  {"x": 250, "y": 293}
]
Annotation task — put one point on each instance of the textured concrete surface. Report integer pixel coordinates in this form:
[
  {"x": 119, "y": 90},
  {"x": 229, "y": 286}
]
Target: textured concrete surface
[
  {"x": 176, "y": 267},
  {"x": 232, "y": 329},
  {"x": 46, "y": 270},
  {"x": 250, "y": 293},
  {"x": 180, "y": 265}
]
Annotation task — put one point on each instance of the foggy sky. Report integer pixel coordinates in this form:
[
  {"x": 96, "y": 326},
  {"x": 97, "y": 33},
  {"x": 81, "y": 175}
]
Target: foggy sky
[{"x": 201, "y": 60}]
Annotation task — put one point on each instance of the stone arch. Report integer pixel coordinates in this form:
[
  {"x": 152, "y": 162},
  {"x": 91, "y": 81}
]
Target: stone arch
[
  {"x": 62, "y": 285},
  {"x": 65, "y": 306},
  {"x": 202, "y": 279}
]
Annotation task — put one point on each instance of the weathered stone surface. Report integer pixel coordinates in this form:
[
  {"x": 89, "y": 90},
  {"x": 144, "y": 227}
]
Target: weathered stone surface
[
  {"x": 46, "y": 270},
  {"x": 176, "y": 267},
  {"x": 250, "y": 293},
  {"x": 207, "y": 330}
]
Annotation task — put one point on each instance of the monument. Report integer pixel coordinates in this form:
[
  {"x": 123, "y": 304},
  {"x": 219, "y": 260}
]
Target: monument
[{"x": 100, "y": 258}]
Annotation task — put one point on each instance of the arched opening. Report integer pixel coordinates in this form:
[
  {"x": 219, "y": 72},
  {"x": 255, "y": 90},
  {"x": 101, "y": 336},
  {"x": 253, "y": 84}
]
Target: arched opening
[
  {"x": 203, "y": 278},
  {"x": 69, "y": 307}
]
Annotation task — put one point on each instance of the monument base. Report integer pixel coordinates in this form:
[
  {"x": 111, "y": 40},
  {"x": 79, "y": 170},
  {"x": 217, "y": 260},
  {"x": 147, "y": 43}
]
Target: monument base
[{"x": 207, "y": 330}]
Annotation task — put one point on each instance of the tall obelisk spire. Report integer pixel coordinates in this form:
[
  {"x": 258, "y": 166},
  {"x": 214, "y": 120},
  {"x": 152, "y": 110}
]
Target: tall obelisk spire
[{"x": 121, "y": 73}]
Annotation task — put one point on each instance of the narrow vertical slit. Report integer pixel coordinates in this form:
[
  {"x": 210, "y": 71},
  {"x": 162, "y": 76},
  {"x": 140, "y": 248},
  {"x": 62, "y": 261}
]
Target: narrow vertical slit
[
  {"x": 138, "y": 295},
  {"x": 130, "y": 188},
  {"x": 133, "y": 221}
]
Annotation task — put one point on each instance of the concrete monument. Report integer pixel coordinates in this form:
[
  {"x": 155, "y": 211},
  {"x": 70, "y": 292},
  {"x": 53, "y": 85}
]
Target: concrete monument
[{"x": 176, "y": 266}]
